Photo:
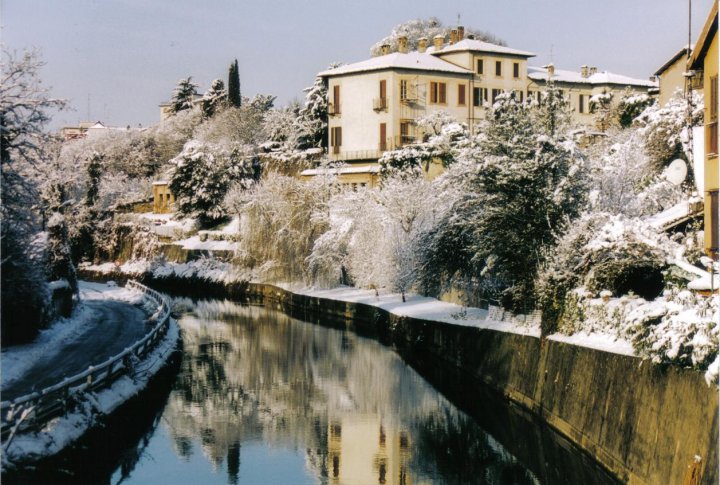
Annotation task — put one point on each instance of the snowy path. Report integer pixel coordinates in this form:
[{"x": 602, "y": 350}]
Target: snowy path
[{"x": 107, "y": 322}]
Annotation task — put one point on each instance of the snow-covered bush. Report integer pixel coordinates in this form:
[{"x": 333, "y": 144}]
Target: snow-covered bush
[
  {"x": 631, "y": 105},
  {"x": 664, "y": 129},
  {"x": 203, "y": 175},
  {"x": 280, "y": 223},
  {"x": 602, "y": 252},
  {"x": 680, "y": 328}
]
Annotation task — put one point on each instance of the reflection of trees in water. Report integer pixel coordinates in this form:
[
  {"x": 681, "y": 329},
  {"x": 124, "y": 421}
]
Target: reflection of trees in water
[
  {"x": 451, "y": 445},
  {"x": 250, "y": 373}
]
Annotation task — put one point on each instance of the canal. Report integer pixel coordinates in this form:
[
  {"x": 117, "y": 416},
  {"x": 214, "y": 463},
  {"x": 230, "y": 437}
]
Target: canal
[{"x": 263, "y": 398}]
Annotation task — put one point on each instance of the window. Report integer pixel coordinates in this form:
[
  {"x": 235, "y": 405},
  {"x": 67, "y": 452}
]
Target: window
[
  {"x": 403, "y": 90},
  {"x": 581, "y": 103},
  {"x": 480, "y": 66},
  {"x": 495, "y": 94},
  {"x": 438, "y": 93},
  {"x": 516, "y": 70},
  {"x": 461, "y": 95},
  {"x": 477, "y": 100},
  {"x": 498, "y": 68},
  {"x": 383, "y": 89},
  {"x": 711, "y": 126},
  {"x": 336, "y": 99},
  {"x": 713, "y": 98},
  {"x": 714, "y": 220},
  {"x": 336, "y": 139},
  {"x": 405, "y": 136},
  {"x": 383, "y": 137}
]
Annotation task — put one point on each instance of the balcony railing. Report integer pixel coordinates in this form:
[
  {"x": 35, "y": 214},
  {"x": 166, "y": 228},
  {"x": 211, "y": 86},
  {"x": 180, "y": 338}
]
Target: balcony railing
[
  {"x": 380, "y": 104},
  {"x": 333, "y": 109}
]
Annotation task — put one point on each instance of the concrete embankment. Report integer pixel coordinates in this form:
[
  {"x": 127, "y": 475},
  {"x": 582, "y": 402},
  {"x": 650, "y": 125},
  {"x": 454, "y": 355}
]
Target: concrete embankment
[{"x": 647, "y": 424}]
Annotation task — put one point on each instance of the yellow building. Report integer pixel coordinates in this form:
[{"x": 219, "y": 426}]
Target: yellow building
[
  {"x": 671, "y": 76},
  {"x": 704, "y": 60},
  {"x": 163, "y": 199},
  {"x": 374, "y": 105}
]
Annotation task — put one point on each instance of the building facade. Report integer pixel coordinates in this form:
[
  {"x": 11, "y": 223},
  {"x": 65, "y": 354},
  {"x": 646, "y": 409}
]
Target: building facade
[
  {"x": 704, "y": 61},
  {"x": 671, "y": 75},
  {"x": 374, "y": 104}
]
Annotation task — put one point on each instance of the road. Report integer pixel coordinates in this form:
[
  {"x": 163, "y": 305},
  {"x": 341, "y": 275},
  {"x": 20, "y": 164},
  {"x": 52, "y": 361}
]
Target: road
[{"x": 118, "y": 326}]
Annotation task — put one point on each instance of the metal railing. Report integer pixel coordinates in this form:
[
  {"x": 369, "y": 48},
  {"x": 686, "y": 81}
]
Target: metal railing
[{"x": 34, "y": 410}]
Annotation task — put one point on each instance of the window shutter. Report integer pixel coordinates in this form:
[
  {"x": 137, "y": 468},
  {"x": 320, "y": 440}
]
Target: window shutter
[
  {"x": 336, "y": 98},
  {"x": 442, "y": 93},
  {"x": 383, "y": 89},
  {"x": 433, "y": 92},
  {"x": 461, "y": 94}
]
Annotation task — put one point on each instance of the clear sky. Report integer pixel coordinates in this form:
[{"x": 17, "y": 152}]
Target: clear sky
[{"x": 115, "y": 60}]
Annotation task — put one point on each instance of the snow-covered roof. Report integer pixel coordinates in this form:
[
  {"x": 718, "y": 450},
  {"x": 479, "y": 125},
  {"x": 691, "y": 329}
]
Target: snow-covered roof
[
  {"x": 341, "y": 170},
  {"x": 599, "y": 78},
  {"x": 160, "y": 182},
  {"x": 397, "y": 60},
  {"x": 479, "y": 46},
  {"x": 674, "y": 58}
]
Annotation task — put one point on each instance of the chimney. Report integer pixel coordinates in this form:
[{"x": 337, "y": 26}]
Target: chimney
[
  {"x": 384, "y": 49},
  {"x": 461, "y": 33},
  {"x": 438, "y": 42},
  {"x": 593, "y": 70},
  {"x": 584, "y": 71},
  {"x": 403, "y": 44},
  {"x": 453, "y": 36},
  {"x": 550, "y": 70},
  {"x": 422, "y": 44}
]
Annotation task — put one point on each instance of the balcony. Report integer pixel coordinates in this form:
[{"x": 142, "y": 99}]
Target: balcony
[
  {"x": 380, "y": 104},
  {"x": 333, "y": 109}
]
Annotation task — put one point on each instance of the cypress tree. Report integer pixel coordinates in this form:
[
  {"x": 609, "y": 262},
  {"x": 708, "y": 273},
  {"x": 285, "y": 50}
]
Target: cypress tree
[{"x": 234, "y": 85}]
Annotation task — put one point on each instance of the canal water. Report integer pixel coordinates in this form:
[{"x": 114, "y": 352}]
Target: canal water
[{"x": 262, "y": 398}]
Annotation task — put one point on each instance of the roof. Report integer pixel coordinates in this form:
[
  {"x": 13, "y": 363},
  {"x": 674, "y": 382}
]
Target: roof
[
  {"x": 397, "y": 60},
  {"x": 480, "y": 46},
  {"x": 341, "y": 170},
  {"x": 674, "y": 58},
  {"x": 706, "y": 36},
  {"x": 599, "y": 78}
]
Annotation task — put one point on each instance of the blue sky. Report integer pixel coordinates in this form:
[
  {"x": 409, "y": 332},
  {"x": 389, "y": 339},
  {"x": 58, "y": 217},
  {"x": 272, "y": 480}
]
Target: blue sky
[{"x": 118, "y": 59}]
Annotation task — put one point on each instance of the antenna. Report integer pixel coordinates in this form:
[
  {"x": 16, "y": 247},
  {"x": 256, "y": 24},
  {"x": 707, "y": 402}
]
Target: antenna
[
  {"x": 458, "y": 21},
  {"x": 88, "y": 108}
]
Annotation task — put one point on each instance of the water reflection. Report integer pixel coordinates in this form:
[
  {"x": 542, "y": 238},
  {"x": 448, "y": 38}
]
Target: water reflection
[{"x": 261, "y": 396}]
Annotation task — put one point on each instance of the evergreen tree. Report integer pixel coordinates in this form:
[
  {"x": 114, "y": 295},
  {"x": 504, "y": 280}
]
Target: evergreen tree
[
  {"x": 183, "y": 95},
  {"x": 554, "y": 113},
  {"x": 215, "y": 97},
  {"x": 312, "y": 119},
  {"x": 234, "y": 97}
]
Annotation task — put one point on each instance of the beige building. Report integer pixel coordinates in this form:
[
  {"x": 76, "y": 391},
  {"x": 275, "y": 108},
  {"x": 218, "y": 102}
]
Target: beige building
[
  {"x": 163, "y": 199},
  {"x": 578, "y": 87},
  {"x": 374, "y": 104},
  {"x": 671, "y": 76},
  {"x": 704, "y": 61},
  {"x": 86, "y": 129}
]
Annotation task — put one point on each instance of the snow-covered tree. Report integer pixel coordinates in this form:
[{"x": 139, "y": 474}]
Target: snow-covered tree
[
  {"x": 312, "y": 119},
  {"x": 215, "y": 98},
  {"x": 631, "y": 105},
  {"x": 183, "y": 95},
  {"x": 525, "y": 189},
  {"x": 24, "y": 147},
  {"x": 428, "y": 28},
  {"x": 554, "y": 113},
  {"x": 601, "y": 105},
  {"x": 203, "y": 174}
]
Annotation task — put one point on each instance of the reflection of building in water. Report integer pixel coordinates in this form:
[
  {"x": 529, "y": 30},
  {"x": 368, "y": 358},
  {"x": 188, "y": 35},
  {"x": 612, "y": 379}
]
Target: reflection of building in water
[{"x": 361, "y": 450}]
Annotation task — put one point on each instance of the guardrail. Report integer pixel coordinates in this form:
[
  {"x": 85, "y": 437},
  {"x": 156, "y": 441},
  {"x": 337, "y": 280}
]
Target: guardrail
[{"x": 34, "y": 410}]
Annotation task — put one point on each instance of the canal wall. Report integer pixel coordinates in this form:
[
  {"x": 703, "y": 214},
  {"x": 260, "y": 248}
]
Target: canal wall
[{"x": 647, "y": 424}]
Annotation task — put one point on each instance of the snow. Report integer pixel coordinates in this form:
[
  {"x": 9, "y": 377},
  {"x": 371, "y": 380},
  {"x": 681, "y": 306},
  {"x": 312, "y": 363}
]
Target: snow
[
  {"x": 194, "y": 242},
  {"x": 599, "y": 78},
  {"x": 18, "y": 359},
  {"x": 420, "y": 307},
  {"x": 397, "y": 60},
  {"x": 480, "y": 46},
  {"x": 606, "y": 342},
  {"x": 668, "y": 216}
]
